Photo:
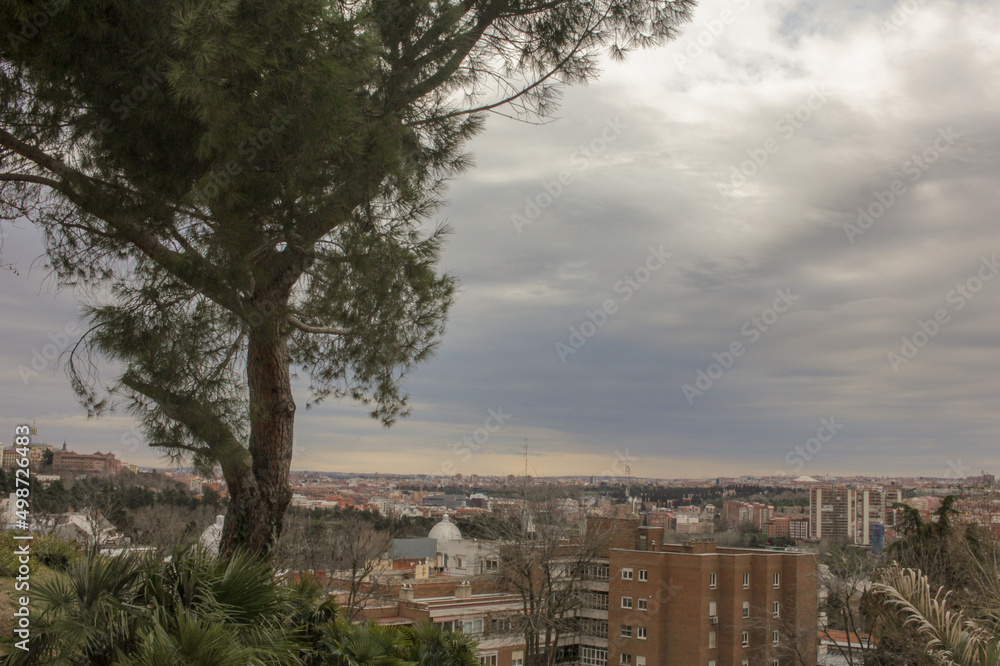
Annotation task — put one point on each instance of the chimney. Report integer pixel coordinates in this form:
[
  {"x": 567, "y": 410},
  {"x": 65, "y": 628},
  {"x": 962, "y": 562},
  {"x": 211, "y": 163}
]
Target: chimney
[
  {"x": 463, "y": 590},
  {"x": 406, "y": 592}
]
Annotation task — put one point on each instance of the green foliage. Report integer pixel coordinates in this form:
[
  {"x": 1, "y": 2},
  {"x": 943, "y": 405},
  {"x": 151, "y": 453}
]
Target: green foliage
[
  {"x": 136, "y": 493},
  {"x": 49, "y": 550},
  {"x": 938, "y": 602},
  {"x": 54, "y": 551},
  {"x": 370, "y": 644},
  {"x": 247, "y": 185},
  {"x": 8, "y": 560},
  {"x": 955, "y": 555},
  {"x": 133, "y": 610},
  {"x": 930, "y": 628},
  {"x": 365, "y": 645},
  {"x": 429, "y": 645},
  {"x": 398, "y": 527}
]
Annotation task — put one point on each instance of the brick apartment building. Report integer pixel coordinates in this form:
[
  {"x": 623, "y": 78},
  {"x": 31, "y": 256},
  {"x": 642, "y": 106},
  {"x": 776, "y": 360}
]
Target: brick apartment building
[
  {"x": 798, "y": 528},
  {"x": 696, "y": 603},
  {"x": 779, "y": 526},
  {"x": 793, "y": 527},
  {"x": 646, "y": 603},
  {"x": 747, "y": 514}
]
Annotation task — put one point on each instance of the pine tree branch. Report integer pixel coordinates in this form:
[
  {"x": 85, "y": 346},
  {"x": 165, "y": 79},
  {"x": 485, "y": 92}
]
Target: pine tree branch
[
  {"x": 190, "y": 267},
  {"x": 462, "y": 51},
  {"x": 222, "y": 444},
  {"x": 302, "y": 326},
  {"x": 27, "y": 178},
  {"x": 552, "y": 72}
]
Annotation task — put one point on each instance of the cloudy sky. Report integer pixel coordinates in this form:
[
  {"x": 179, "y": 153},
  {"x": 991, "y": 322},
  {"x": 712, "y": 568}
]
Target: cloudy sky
[{"x": 768, "y": 247}]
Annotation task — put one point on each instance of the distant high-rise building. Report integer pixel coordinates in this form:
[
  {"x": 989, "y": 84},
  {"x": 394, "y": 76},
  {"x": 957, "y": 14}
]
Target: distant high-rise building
[
  {"x": 747, "y": 514},
  {"x": 846, "y": 515}
]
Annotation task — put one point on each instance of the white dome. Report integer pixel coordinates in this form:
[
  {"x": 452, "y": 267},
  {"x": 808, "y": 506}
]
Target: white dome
[{"x": 445, "y": 530}]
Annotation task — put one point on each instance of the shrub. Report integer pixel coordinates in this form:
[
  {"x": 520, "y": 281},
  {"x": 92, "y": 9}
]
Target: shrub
[
  {"x": 51, "y": 551},
  {"x": 8, "y": 559},
  {"x": 55, "y": 552}
]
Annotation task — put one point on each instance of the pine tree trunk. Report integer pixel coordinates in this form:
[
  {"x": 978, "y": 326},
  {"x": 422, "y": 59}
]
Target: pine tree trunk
[{"x": 259, "y": 495}]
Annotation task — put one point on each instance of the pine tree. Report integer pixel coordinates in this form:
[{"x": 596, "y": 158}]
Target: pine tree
[{"x": 241, "y": 187}]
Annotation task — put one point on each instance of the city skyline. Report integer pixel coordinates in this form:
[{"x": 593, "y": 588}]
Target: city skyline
[{"x": 708, "y": 263}]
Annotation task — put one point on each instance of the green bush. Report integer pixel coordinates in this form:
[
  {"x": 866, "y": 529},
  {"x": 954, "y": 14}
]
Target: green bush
[
  {"x": 8, "y": 559},
  {"x": 48, "y": 550},
  {"x": 55, "y": 552}
]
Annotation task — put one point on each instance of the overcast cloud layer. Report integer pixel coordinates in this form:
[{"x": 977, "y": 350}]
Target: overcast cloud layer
[{"x": 824, "y": 178}]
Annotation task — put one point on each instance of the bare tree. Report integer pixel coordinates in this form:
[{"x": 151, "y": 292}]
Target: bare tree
[
  {"x": 358, "y": 550},
  {"x": 165, "y": 526},
  {"x": 97, "y": 506},
  {"x": 352, "y": 551},
  {"x": 304, "y": 544},
  {"x": 845, "y": 579},
  {"x": 796, "y": 643},
  {"x": 545, "y": 559}
]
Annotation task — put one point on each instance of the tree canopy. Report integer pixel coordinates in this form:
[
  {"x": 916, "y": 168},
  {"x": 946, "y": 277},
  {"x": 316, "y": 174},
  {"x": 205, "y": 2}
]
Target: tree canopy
[{"x": 237, "y": 188}]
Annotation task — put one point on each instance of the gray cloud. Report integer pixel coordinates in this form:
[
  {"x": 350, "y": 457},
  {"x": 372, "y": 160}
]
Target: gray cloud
[{"x": 646, "y": 150}]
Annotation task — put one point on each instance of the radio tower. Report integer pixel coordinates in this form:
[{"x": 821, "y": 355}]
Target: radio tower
[{"x": 628, "y": 484}]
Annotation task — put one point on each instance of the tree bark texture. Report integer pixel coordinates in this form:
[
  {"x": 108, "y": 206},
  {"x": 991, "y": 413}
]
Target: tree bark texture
[{"x": 260, "y": 494}]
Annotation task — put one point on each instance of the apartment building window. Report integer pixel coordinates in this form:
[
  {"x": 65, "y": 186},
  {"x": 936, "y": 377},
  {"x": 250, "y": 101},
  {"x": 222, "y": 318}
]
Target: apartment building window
[
  {"x": 746, "y": 580},
  {"x": 774, "y": 637},
  {"x": 595, "y": 600},
  {"x": 777, "y": 579},
  {"x": 713, "y": 608},
  {"x": 492, "y": 566},
  {"x": 626, "y": 573},
  {"x": 501, "y": 625},
  {"x": 641, "y": 604},
  {"x": 488, "y": 660},
  {"x": 712, "y": 580},
  {"x": 517, "y": 658},
  {"x": 775, "y": 662},
  {"x": 745, "y": 662},
  {"x": 516, "y": 662},
  {"x": 589, "y": 626},
  {"x": 640, "y": 660},
  {"x": 598, "y": 572},
  {"x": 472, "y": 626},
  {"x": 626, "y": 631},
  {"x": 746, "y": 639},
  {"x": 624, "y": 658},
  {"x": 775, "y": 609},
  {"x": 711, "y": 662},
  {"x": 640, "y": 632},
  {"x": 626, "y": 602},
  {"x": 746, "y": 609},
  {"x": 643, "y": 575},
  {"x": 593, "y": 656},
  {"x": 712, "y": 639}
]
